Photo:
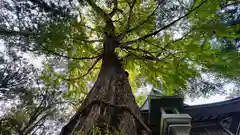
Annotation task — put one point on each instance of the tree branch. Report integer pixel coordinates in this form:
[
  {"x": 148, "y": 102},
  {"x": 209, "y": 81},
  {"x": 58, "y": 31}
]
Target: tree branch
[
  {"x": 164, "y": 27},
  {"x": 149, "y": 57},
  {"x": 137, "y": 49},
  {"x": 88, "y": 71},
  {"x": 69, "y": 57},
  {"x": 115, "y": 8},
  {"x": 168, "y": 43},
  {"x": 163, "y": 48},
  {"x": 89, "y": 28},
  {"x": 6, "y": 32},
  {"x": 98, "y": 10},
  {"x": 89, "y": 41},
  {"x": 34, "y": 125},
  {"x": 148, "y": 17},
  {"x": 109, "y": 27},
  {"x": 135, "y": 55},
  {"x": 36, "y": 112},
  {"x": 131, "y": 6}
]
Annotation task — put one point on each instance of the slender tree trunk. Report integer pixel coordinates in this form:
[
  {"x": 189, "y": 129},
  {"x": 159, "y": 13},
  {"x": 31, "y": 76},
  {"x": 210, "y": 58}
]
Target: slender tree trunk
[{"x": 110, "y": 103}]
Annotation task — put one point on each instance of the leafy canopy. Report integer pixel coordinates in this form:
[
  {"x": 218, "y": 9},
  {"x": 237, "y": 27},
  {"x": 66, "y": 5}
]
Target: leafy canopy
[{"x": 160, "y": 41}]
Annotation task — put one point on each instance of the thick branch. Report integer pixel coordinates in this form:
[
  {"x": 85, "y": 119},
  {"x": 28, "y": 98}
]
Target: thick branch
[{"x": 164, "y": 27}]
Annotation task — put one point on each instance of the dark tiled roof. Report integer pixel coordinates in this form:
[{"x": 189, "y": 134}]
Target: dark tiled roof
[
  {"x": 210, "y": 130},
  {"x": 211, "y": 111}
]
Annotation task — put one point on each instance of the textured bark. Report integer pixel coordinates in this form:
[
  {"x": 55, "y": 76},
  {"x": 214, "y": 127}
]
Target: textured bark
[{"x": 110, "y": 102}]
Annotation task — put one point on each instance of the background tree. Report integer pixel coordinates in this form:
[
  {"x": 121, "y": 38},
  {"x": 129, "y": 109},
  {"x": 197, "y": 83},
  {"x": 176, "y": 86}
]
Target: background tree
[
  {"x": 109, "y": 37},
  {"x": 228, "y": 49},
  {"x": 28, "y": 106}
]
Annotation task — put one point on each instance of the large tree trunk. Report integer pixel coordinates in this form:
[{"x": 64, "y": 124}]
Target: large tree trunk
[{"x": 110, "y": 103}]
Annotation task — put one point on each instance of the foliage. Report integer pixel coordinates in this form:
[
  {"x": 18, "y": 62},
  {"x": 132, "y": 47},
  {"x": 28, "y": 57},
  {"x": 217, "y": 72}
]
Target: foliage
[
  {"x": 158, "y": 41},
  {"x": 227, "y": 57},
  {"x": 78, "y": 40}
]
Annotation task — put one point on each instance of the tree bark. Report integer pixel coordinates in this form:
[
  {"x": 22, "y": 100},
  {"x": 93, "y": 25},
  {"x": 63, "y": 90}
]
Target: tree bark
[{"x": 110, "y": 103}]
